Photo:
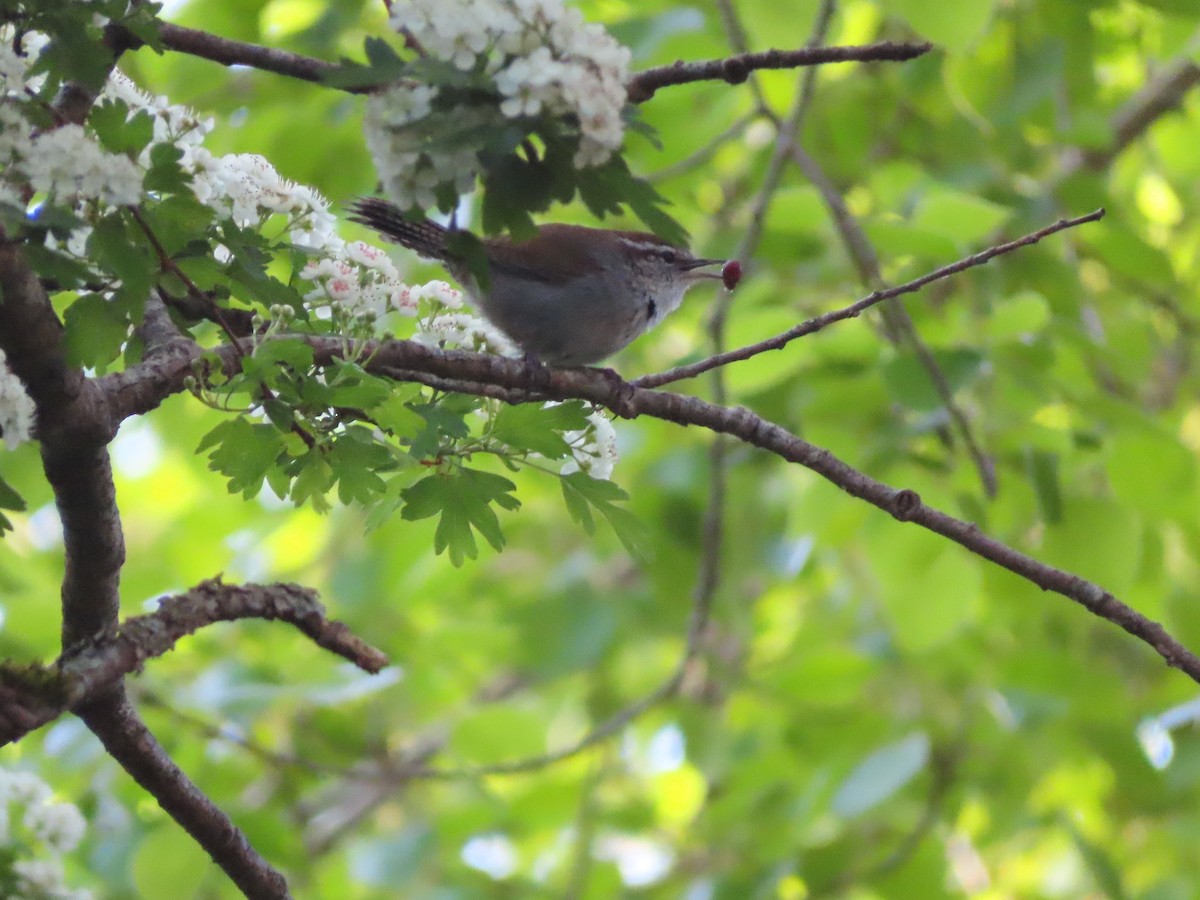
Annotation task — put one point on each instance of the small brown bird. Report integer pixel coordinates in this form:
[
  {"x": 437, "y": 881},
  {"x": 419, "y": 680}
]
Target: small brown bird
[{"x": 569, "y": 296}]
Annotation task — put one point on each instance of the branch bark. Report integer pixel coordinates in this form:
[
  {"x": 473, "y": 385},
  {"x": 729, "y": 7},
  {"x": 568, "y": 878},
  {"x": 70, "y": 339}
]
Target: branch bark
[{"x": 91, "y": 670}]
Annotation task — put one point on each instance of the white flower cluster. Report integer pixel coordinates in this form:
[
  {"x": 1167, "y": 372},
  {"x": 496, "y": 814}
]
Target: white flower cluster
[
  {"x": 175, "y": 125},
  {"x": 542, "y": 58},
  {"x": 362, "y": 282},
  {"x": 594, "y": 449},
  {"x": 398, "y": 128},
  {"x": 16, "y": 408},
  {"x": 15, "y": 61},
  {"x": 54, "y": 827},
  {"x": 67, "y": 162},
  {"x": 439, "y": 325},
  {"x": 63, "y": 161}
]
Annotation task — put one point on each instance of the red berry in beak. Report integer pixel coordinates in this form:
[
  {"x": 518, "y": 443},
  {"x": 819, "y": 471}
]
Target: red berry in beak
[{"x": 731, "y": 274}]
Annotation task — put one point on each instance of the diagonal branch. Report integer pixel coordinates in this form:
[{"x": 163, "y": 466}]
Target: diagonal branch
[
  {"x": 511, "y": 379},
  {"x": 116, "y": 723},
  {"x": 866, "y": 261},
  {"x": 817, "y": 323}
]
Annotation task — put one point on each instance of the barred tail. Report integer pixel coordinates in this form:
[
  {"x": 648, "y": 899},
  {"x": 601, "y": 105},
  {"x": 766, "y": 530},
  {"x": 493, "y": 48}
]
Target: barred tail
[{"x": 425, "y": 238}]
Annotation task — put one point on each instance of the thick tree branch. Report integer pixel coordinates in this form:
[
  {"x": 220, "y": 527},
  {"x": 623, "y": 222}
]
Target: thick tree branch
[
  {"x": 74, "y": 426},
  {"x": 88, "y": 671},
  {"x": 242, "y": 53},
  {"x": 115, "y": 722},
  {"x": 511, "y": 379}
]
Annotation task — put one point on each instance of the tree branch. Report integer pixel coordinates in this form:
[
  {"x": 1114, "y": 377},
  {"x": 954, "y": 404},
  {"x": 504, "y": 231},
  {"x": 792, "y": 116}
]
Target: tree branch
[
  {"x": 855, "y": 309},
  {"x": 511, "y": 379},
  {"x": 74, "y": 427},
  {"x": 90, "y": 670},
  {"x": 735, "y": 69},
  {"x": 642, "y": 86},
  {"x": 115, "y": 722}
]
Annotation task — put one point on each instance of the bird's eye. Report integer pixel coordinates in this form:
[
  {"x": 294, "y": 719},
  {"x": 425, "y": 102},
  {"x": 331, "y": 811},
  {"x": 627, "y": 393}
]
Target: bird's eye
[{"x": 667, "y": 255}]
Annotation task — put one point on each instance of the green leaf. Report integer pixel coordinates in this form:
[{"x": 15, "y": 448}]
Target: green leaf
[
  {"x": 539, "y": 428},
  {"x": 583, "y": 493},
  {"x": 243, "y": 453},
  {"x": 396, "y": 414},
  {"x": 123, "y": 250},
  {"x": 1042, "y": 470},
  {"x": 908, "y": 381},
  {"x": 446, "y": 418},
  {"x": 313, "y": 480},
  {"x": 64, "y": 272},
  {"x": 95, "y": 330},
  {"x": 881, "y": 774},
  {"x": 462, "y": 499},
  {"x": 354, "y": 458},
  {"x": 177, "y": 220},
  {"x": 166, "y": 175},
  {"x": 117, "y": 132},
  {"x": 9, "y": 498}
]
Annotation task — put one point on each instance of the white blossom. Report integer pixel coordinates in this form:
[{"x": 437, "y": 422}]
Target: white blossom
[
  {"x": 594, "y": 449},
  {"x": 466, "y": 332},
  {"x": 16, "y": 424},
  {"x": 39, "y": 877},
  {"x": 67, "y": 162},
  {"x": 542, "y": 58},
  {"x": 60, "y": 825}
]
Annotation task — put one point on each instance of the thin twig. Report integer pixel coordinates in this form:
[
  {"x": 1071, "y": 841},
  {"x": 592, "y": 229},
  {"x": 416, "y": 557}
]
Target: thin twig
[
  {"x": 900, "y": 324},
  {"x": 736, "y": 69},
  {"x": 856, "y": 309},
  {"x": 641, "y": 87}
]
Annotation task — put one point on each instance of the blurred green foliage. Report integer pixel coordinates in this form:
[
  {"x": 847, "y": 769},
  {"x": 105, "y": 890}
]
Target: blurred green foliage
[{"x": 874, "y": 712}]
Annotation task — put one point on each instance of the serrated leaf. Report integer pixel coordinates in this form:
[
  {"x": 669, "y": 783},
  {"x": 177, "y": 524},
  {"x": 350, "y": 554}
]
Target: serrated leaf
[
  {"x": 117, "y": 131},
  {"x": 448, "y": 418},
  {"x": 462, "y": 499},
  {"x": 354, "y": 458},
  {"x": 312, "y": 480},
  {"x": 351, "y": 386},
  {"x": 531, "y": 426},
  {"x": 243, "y": 453},
  {"x": 177, "y": 220},
  {"x": 64, "y": 272},
  {"x": 118, "y": 249},
  {"x": 166, "y": 175},
  {"x": 396, "y": 415},
  {"x": 581, "y": 491}
]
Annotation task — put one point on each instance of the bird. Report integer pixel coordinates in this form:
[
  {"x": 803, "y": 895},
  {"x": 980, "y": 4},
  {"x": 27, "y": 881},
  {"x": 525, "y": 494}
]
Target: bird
[{"x": 568, "y": 296}]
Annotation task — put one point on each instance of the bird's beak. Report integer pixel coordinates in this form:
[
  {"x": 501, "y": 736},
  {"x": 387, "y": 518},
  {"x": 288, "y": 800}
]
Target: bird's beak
[{"x": 700, "y": 263}]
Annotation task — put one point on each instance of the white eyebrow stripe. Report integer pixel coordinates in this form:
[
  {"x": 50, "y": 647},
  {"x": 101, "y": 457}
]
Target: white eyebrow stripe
[{"x": 636, "y": 244}]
